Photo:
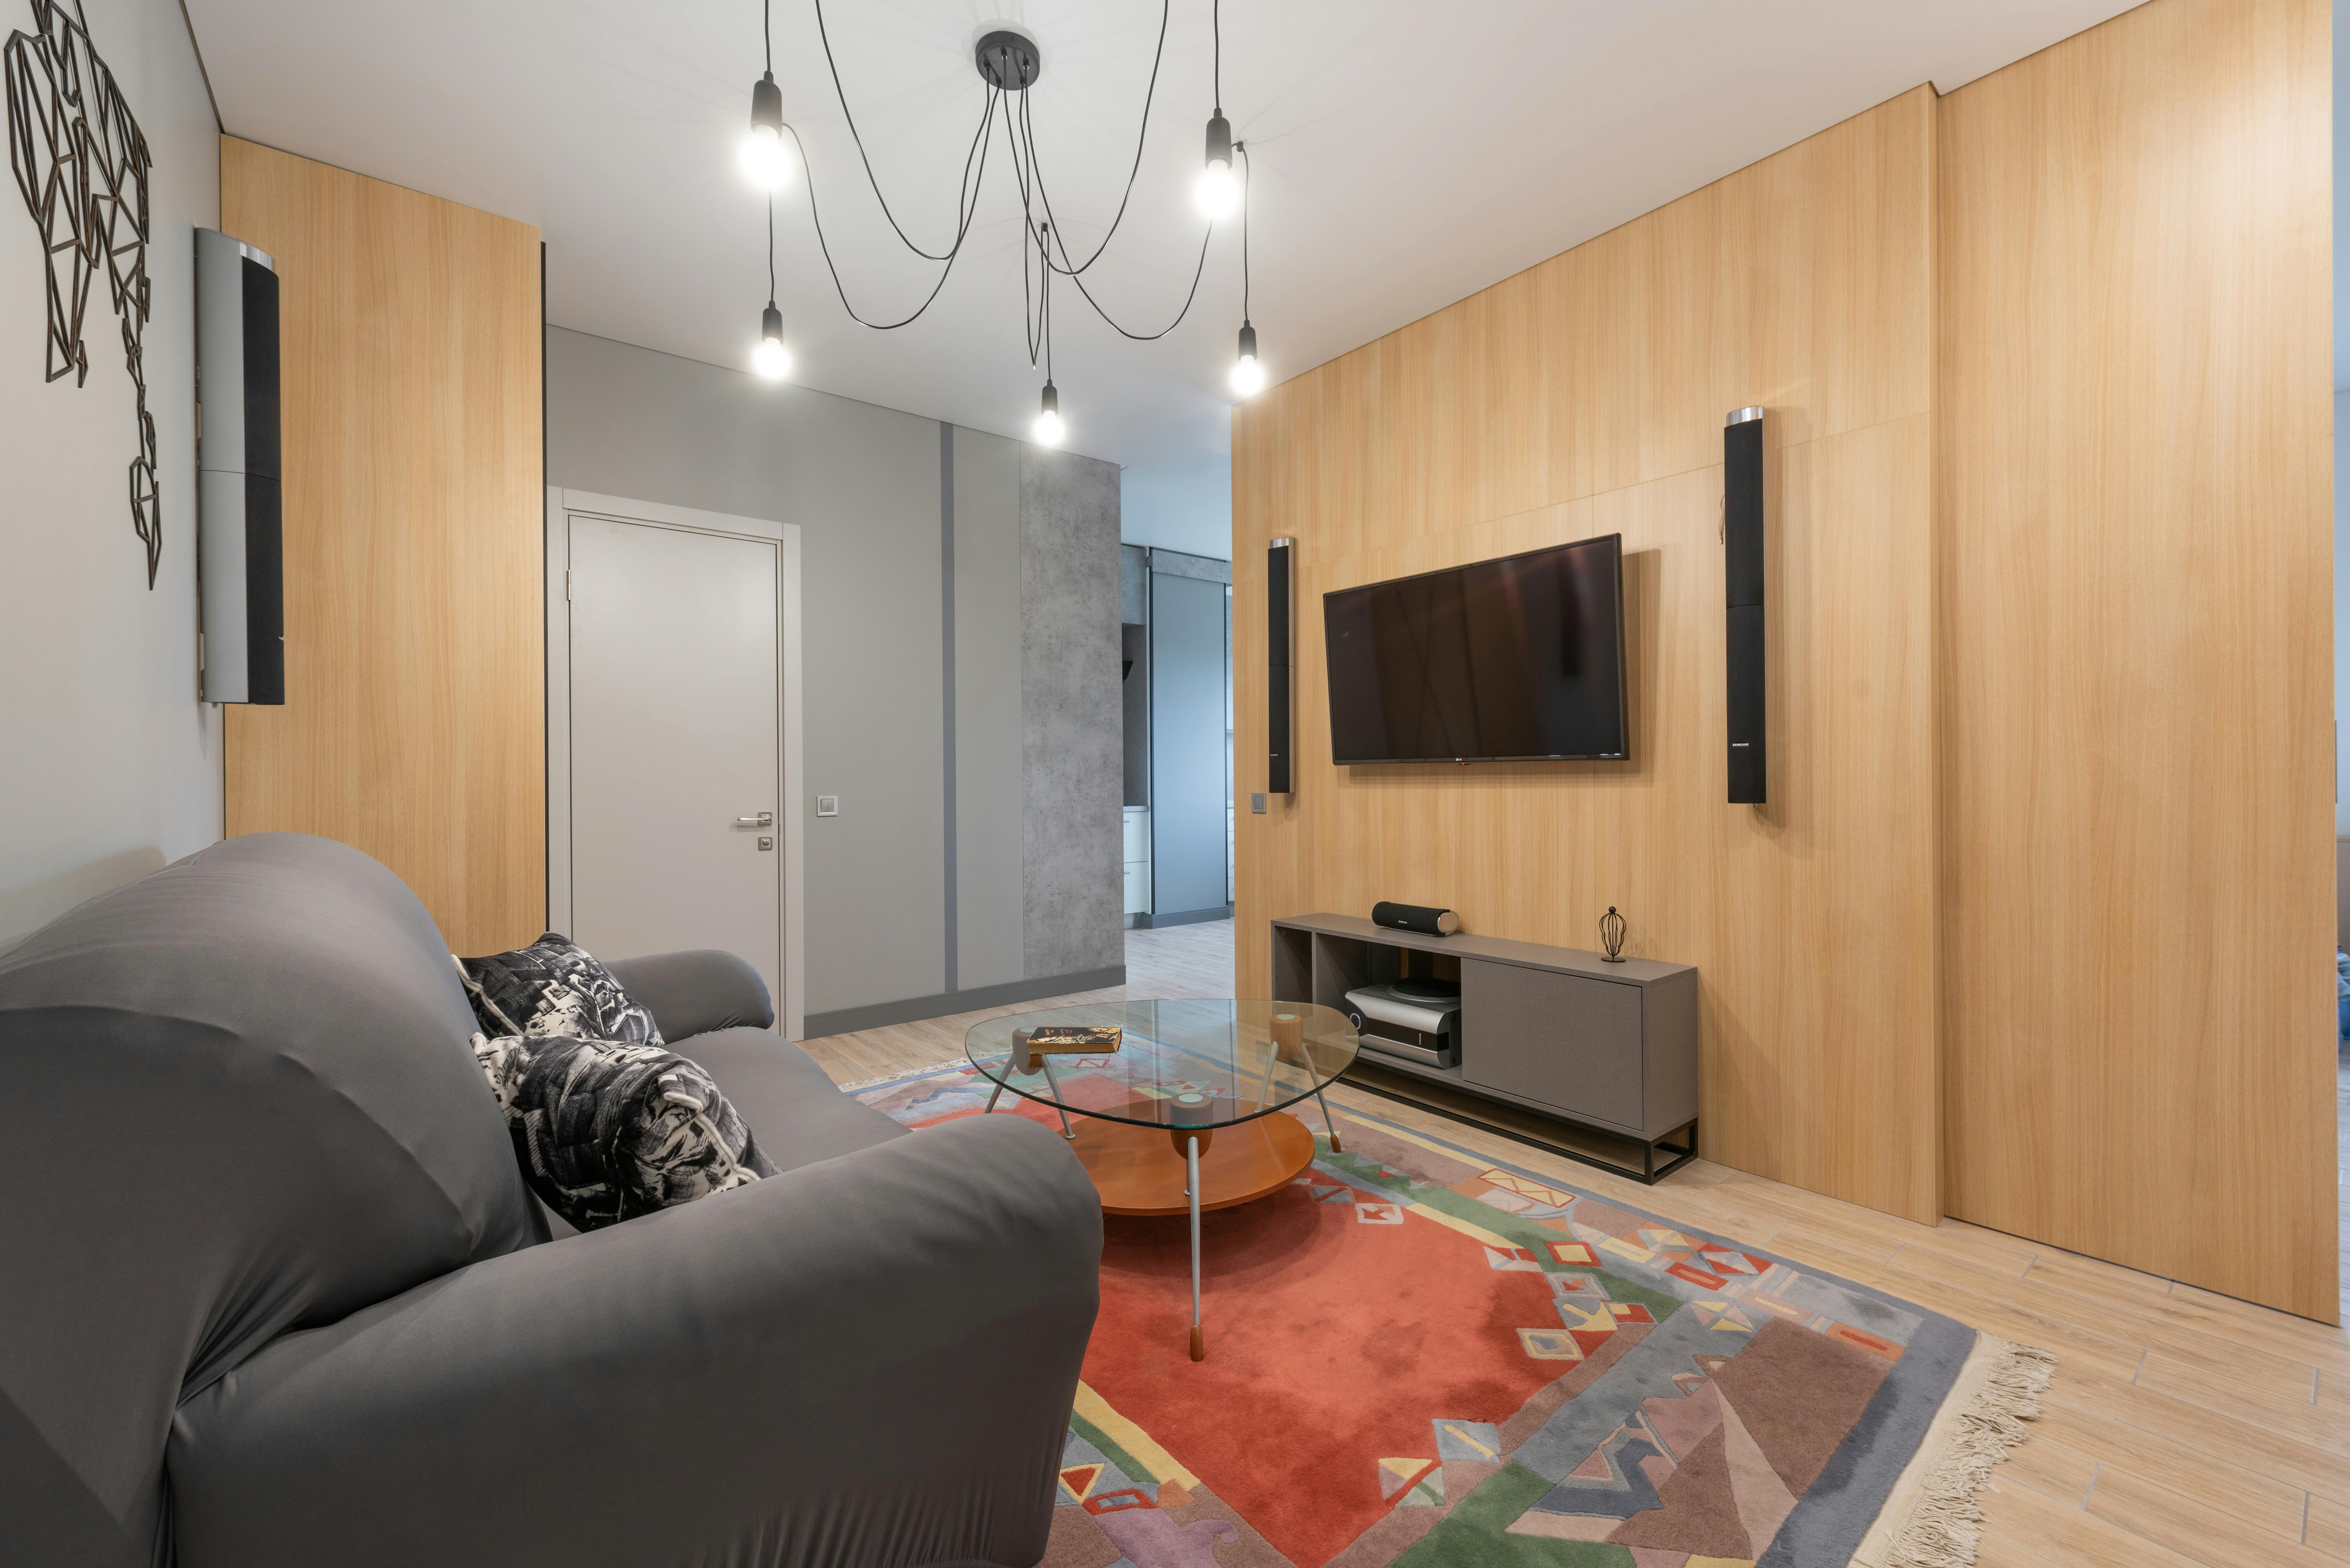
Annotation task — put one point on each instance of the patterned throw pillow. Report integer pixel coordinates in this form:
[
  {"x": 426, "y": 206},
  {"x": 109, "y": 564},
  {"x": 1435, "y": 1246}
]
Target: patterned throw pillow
[
  {"x": 606, "y": 1131},
  {"x": 553, "y": 987}
]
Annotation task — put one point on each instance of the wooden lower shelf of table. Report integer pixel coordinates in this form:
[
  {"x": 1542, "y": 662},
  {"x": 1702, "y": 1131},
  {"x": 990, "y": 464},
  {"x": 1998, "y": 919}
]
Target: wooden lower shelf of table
[{"x": 1138, "y": 1170}]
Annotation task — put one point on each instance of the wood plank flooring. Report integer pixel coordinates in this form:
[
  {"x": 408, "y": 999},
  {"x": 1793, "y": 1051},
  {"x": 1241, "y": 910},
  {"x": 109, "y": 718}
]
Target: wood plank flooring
[{"x": 2183, "y": 1430}]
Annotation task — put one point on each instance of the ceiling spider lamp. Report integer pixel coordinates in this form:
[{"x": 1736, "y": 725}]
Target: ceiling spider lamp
[{"x": 1009, "y": 63}]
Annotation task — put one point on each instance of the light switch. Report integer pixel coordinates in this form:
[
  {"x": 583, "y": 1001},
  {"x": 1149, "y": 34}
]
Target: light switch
[
  {"x": 1256, "y": 804},
  {"x": 827, "y": 806}
]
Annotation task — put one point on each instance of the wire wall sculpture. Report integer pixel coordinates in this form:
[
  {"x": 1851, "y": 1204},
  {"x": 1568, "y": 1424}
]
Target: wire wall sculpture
[{"x": 82, "y": 163}]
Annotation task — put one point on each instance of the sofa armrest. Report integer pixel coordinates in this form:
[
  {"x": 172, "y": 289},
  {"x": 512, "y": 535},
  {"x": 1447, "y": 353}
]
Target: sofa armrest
[
  {"x": 692, "y": 994},
  {"x": 870, "y": 1359}
]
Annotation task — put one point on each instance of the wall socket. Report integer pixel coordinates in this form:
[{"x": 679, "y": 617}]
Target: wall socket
[
  {"x": 1256, "y": 804},
  {"x": 827, "y": 806}
]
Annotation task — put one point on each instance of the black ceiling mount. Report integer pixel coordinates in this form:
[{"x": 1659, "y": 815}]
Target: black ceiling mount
[{"x": 1009, "y": 60}]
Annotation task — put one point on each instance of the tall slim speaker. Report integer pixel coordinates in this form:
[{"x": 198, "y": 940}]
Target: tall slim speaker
[
  {"x": 1742, "y": 551},
  {"x": 240, "y": 561},
  {"x": 1276, "y": 666}
]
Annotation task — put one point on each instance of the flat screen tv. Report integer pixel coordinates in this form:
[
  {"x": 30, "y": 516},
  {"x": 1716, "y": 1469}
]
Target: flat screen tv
[{"x": 1500, "y": 660}]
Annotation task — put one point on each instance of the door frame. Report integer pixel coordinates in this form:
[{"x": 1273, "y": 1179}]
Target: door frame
[{"x": 562, "y": 505}]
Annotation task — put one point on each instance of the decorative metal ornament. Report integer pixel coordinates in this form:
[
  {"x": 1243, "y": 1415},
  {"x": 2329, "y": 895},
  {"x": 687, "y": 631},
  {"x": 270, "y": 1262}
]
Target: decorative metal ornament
[
  {"x": 1611, "y": 935},
  {"x": 81, "y": 164}
]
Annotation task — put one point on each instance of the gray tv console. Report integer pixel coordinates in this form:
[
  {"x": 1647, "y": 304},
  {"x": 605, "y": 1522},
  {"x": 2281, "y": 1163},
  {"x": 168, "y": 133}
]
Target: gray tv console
[{"x": 1561, "y": 1033}]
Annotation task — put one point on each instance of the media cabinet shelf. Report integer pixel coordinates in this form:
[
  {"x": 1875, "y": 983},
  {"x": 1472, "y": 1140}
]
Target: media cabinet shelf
[{"x": 1561, "y": 1033}]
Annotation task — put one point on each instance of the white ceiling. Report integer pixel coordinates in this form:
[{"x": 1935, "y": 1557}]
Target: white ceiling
[{"x": 1406, "y": 155}]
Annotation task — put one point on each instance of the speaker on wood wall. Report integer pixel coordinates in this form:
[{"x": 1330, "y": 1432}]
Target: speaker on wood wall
[
  {"x": 1742, "y": 552},
  {"x": 239, "y": 545},
  {"x": 1276, "y": 665}
]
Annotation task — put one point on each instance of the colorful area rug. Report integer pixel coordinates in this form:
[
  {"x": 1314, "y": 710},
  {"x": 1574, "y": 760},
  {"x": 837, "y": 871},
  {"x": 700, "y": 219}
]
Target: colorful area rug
[{"x": 1421, "y": 1358}]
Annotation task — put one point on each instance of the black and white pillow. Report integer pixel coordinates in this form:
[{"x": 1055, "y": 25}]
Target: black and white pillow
[
  {"x": 606, "y": 1130},
  {"x": 553, "y": 987}
]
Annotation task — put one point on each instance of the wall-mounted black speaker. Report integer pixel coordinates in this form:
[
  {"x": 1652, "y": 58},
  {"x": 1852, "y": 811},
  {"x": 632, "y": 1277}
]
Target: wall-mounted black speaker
[
  {"x": 1276, "y": 665},
  {"x": 240, "y": 547},
  {"x": 1741, "y": 563}
]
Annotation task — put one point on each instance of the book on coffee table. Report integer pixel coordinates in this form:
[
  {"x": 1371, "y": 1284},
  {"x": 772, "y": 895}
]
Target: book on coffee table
[{"x": 1071, "y": 1040}]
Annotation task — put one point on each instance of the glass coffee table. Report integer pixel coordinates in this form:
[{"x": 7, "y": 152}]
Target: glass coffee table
[{"x": 1178, "y": 1118}]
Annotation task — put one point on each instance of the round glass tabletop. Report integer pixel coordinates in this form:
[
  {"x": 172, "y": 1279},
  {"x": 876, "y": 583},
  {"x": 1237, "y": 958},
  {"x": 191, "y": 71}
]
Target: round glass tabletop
[{"x": 1173, "y": 1064}]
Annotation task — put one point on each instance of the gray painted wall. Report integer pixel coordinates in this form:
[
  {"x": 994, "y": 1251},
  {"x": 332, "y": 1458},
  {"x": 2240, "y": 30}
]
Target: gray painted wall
[
  {"x": 113, "y": 766},
  {"x": 1071, "y": 718},
  {"x": 990, "y": 923},
  {"x": 1032, "y": 548}
]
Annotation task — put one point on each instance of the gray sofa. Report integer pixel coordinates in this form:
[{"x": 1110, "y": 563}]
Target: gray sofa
[{"x": 273, "y": 1292}]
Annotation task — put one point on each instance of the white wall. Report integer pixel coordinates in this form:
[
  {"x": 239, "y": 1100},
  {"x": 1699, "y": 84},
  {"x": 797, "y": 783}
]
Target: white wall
[
  {"x": 1181, "y": 505},
  {"x": 111, "y": 765}
]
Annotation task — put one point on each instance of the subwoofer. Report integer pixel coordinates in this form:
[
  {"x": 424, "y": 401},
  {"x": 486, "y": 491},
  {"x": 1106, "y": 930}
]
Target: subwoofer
[
  {"x": 1276, "y": 665},
  {"x": 239, "y": 543},
  {"x": 1742, "y": 560}
]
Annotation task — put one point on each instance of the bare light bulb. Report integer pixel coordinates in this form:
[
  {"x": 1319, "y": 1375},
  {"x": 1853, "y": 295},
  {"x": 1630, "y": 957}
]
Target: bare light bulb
[
  {"x": 1248, "y": 374},
  {"x": 771, "y": 358},
  {"x": 1048, "y": 428},
  {"x": 763, "y": 159},
  {"x": 762, "y": 156},
  {"x": 1218, "y": 191}
]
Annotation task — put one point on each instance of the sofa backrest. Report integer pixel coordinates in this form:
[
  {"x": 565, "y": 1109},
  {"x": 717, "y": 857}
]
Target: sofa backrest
[{"x": 237, "y": 1098}]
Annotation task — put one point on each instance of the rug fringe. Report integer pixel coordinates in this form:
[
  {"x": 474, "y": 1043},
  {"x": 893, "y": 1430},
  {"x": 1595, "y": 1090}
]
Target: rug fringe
[
  {"x": 895, "y": 1077},
  {"x": 1945, "y": 1526}
]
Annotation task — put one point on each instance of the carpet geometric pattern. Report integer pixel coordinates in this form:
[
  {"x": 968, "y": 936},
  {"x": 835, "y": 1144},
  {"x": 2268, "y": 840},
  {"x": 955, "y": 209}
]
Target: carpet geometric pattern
[{"x": 1420, "y": 1358}]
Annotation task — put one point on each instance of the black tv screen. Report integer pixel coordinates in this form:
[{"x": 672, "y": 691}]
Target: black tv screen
[{"x": 1519, "y": 658}]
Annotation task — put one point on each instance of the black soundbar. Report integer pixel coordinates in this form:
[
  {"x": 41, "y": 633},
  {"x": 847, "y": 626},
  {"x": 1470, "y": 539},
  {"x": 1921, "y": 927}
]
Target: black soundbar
[{"x": 1415, "y": 918}]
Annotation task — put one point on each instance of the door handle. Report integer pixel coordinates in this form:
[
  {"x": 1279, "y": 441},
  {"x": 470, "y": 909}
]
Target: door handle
[{"x": 764, "y": 819}]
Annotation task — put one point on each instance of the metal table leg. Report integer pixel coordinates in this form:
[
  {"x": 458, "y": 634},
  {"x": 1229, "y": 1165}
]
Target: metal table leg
[
  {"x": 993, "y": 1096},
  {"x": 1329, "y": 1126},
  {"x": 1056, "y": 1097},
  {"x": 1192, "y": 1190}
]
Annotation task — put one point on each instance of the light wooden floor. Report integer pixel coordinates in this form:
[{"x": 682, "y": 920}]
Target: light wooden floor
[{"x": 2182, "y": 1427}]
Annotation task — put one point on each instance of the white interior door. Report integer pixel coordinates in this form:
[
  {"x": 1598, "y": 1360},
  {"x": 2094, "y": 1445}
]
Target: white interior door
[{"x": 676, "y": 643}]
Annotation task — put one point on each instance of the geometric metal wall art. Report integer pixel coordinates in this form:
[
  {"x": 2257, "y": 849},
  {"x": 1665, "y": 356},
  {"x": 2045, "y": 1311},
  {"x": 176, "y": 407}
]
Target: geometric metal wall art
[{"x": 82, "y": 165}]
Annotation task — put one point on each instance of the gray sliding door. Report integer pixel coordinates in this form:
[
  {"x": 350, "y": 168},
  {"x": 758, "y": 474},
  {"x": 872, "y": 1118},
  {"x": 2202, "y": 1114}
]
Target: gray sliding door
[{"x": 1188, "y": 747}]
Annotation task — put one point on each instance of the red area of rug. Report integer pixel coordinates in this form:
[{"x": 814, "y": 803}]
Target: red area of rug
[{"x": 1331, "y": 1339}]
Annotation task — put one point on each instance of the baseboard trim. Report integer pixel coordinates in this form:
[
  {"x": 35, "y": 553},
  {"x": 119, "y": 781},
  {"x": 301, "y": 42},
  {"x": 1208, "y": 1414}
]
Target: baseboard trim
[
  {"x": 1179, "y": 917},
  {"x": 913, "y": 1009}
]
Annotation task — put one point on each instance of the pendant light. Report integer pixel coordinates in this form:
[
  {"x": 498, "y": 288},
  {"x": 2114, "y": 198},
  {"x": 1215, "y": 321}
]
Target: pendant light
[
  {"x": 1247, "y": 378},
  {"x": 1217, "y": 191},
  {"x": 770, "y": 360},
  {"x": 762, "y": 157},
  {"x": 1048, "y": 431}
]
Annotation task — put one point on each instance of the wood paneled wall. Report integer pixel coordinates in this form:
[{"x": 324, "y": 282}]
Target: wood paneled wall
[
  {"x": 414, "y": 724},
  {"x": 1587, "y": 395},
  {"x": 2036, "y": 925},
  {"x": 2134, "y": 461}
]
